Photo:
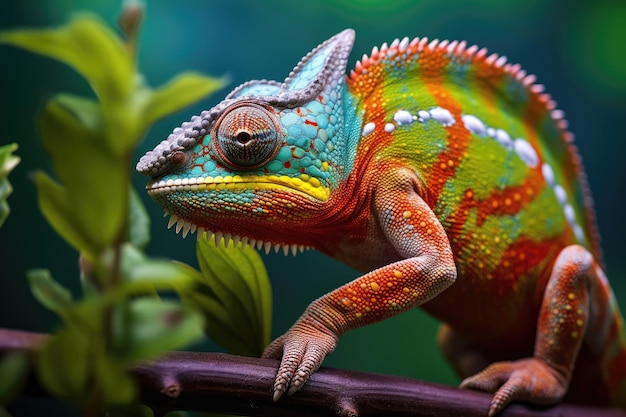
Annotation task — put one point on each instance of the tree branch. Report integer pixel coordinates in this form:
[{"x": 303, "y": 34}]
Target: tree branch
[{"x": 218, "y": 382}]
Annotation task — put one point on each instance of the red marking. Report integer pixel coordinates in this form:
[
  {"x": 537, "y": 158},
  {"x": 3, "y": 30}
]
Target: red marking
[
  {"x": 287, "y": 164},
  {"x": 458, "y": 140},
  {"x": 522, "y": 257},
  {"x": 299, "y": 111},
  {"x": 511, "y": 200},
  {"x": 508, "y": 201},
  {"x": 321, "y": 98},
  {"x": 310, "y": 122}
]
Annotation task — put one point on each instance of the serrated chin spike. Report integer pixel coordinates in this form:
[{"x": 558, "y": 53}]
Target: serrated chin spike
[
  {"x": 179, "y": 225},
  {"x": 218, "y": 238},
  {"x": 172, "y": 221},
  {"x": 227, "y": 238},
  {"x": 186, "y": 228}
]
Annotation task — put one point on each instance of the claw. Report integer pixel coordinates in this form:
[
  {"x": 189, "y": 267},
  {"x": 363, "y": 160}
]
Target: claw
[
  {"x": 279, "y": 390},
  {"x": 302, "y": 349},
  {"x": 296, "y": 384},
  {"x": 523, "y": 380}
]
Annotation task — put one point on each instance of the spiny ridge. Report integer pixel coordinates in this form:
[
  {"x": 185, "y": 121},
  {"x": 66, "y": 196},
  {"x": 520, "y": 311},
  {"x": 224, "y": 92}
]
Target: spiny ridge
[
  {"x": 461, "y": 52},
  {"x": 237, "y": 240}
]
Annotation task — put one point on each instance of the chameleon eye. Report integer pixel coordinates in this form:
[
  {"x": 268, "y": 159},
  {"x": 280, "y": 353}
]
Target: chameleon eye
[{"x": 246, "y": 136}]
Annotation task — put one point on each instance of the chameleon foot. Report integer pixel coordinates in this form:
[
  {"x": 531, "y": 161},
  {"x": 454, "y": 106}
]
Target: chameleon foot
[
  {"x": 530, "y": 380},
  {"x": 301, "y": 350}
]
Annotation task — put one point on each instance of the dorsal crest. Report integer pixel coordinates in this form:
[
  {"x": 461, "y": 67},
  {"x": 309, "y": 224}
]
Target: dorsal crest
[{"x": 437, "y": 58}]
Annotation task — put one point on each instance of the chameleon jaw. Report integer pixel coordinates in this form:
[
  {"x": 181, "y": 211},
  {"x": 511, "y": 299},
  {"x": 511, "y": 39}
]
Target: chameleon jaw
[
  {"x": 305, "y": 189},
  {"x": 304, "y": 184},
  {"x": 238, "y": 241}
]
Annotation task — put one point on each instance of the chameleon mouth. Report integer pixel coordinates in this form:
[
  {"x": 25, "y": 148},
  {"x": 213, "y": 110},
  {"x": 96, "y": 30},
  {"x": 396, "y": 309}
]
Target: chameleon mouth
[
  {"x": 304, "y": 184},
  {"x": 237, "y": 240}
]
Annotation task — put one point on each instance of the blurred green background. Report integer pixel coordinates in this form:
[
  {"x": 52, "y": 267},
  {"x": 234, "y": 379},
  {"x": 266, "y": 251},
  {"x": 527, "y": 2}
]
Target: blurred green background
[{"x": 576, "y": 48}]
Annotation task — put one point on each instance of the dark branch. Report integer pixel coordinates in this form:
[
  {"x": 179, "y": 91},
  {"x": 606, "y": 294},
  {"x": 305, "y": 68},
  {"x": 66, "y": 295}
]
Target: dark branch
[{"x": 224, "y": 383}]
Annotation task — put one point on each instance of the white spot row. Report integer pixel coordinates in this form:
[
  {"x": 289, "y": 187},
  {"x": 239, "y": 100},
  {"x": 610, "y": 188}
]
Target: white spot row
[
  {"x": 187, "y": 227},
  {"x": 521, "y": 146},
  {"x": 403, "y": 117}
]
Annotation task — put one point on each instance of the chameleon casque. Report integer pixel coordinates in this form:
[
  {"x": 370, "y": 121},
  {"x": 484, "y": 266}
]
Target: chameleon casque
[{"x": 443, "y": 173}]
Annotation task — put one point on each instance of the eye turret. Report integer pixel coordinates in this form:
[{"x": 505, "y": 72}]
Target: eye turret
[{"x": 246, "y": 136}]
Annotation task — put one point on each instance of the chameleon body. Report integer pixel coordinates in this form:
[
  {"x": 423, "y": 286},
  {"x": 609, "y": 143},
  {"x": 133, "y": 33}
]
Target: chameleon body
[{"x": 443, "y": 173}]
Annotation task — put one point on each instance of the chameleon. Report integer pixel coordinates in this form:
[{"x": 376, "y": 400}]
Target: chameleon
[{"x": 448, "y": 177}]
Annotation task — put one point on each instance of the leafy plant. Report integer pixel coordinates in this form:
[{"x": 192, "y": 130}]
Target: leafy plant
[
  {"x": 233, "y": 290},
  {"x": 121, "y": 318}
]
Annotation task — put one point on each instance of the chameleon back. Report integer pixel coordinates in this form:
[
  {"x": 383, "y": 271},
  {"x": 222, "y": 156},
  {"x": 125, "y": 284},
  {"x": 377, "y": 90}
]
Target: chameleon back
[{"x": 509, "y": 171}]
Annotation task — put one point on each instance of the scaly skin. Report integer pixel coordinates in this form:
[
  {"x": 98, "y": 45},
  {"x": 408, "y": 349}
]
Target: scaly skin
[{"x": 447, "y": 177}]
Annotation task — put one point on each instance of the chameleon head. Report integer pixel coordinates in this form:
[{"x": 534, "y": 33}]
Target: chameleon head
[{"x": 264, "y": 158}]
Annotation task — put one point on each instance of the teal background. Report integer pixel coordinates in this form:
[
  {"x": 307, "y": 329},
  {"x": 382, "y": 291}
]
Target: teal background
[{"x": 576, "y": 48}]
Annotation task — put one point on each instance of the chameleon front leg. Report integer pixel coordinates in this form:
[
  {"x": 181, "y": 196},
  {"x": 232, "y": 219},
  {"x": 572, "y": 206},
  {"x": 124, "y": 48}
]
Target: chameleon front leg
[
  {"x": 563, "y": 319},
  {"x": 426, "y": 269}
]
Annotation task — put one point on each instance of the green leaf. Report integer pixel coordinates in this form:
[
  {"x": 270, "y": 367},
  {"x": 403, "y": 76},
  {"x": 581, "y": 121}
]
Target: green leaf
[
  {"x": 14, "y": 371},
  {"x": 142, "y": 274},
  {"x": 58, "y": 211},
  {"x": 219, "y": 324},
  {"x": 48, "y": 292},
  {"x": 88, "y": 46},
  {"x": 180, "y": 92},
  {"x": 235, "y": 290},
  {"x": 7, "y": 162},
  {"x": 138, "y": 221},
  {"x": 94, "y": 178},
  {"x": 63, "y": 364},
  {"x": 85, "y": 113},
  {"x": 149, "y": 327}
]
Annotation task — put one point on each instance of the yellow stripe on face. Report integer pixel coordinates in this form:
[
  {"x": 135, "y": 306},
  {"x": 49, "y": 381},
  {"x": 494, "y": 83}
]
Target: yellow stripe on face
[{"x": 304, "y": 184}]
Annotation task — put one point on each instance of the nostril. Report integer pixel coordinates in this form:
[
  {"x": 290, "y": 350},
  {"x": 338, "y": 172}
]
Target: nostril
[{"x": 179, "y": 158}]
